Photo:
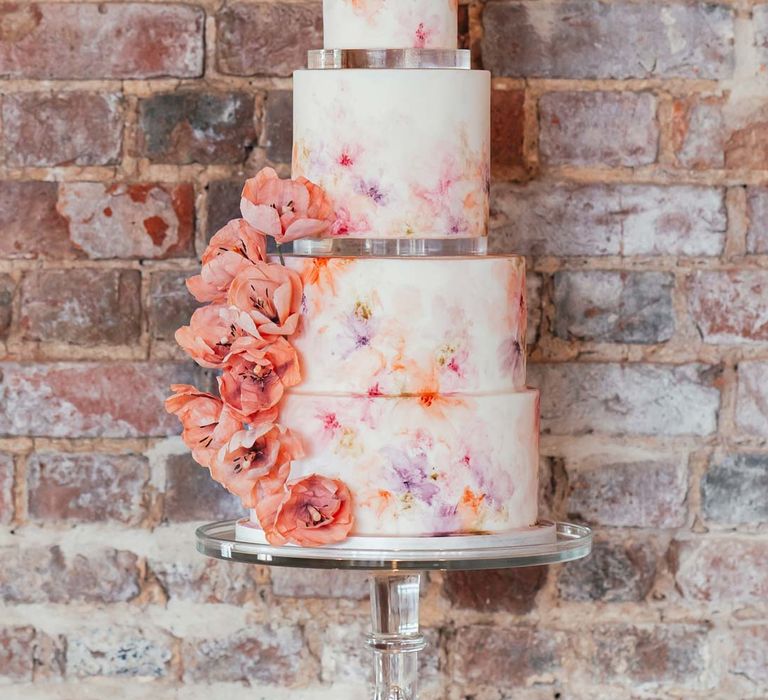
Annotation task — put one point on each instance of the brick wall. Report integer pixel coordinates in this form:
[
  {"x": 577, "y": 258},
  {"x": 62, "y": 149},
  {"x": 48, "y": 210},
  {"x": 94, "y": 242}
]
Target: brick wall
[{"x": 631, "y": 166}]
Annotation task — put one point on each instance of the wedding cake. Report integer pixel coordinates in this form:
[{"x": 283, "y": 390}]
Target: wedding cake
[{"x": 372, "y": 371}]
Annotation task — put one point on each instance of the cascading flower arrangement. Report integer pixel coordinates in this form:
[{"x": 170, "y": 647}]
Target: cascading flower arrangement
[{"x": 253, "y": 308}]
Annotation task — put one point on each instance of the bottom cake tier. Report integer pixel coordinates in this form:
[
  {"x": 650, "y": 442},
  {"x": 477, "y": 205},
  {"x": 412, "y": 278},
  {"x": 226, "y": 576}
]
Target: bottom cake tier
[{"x": 426, "y": 465}]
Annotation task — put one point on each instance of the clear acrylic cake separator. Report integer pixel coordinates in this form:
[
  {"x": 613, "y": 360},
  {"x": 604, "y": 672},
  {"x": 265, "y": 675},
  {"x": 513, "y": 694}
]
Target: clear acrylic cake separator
[{"x": 395, "y": 636}]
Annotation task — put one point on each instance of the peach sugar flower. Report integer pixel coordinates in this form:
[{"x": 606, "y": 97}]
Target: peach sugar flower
[
  {"x": 250, "y": 455},
  {"x": 212, "y": 284},
  {"x": 268, "y": 493},
  {"x": 237, "y": 236},
  {"x": 256, "y": 373},
  {"x": 271, "y": 295},
  {"x": 207, "y": 423},
  {"x": 316, "y": 511},
  {"x": 285, "y": 209}
]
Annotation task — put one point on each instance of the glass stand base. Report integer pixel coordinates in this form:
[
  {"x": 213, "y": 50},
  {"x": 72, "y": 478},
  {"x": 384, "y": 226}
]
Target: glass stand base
[{"x": 395, "y": 638}]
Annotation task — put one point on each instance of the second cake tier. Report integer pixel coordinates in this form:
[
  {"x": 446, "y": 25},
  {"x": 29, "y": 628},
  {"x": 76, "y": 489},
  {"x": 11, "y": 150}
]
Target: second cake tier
[{"x": 401, "y": 153}]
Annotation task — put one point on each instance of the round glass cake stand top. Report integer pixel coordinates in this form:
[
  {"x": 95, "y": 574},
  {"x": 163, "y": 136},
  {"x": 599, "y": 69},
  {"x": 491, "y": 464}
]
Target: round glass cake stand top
[{"x": 395, "y": 638}]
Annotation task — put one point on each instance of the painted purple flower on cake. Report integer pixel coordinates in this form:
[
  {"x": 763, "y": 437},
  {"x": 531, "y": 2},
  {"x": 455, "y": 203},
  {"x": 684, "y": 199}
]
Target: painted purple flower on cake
[{"x": 413, "y": 474}]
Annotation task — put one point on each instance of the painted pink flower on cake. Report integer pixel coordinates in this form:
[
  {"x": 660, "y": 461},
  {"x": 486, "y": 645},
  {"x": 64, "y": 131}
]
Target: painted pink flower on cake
[
  {"x": 271, "y": 295},
  {"x": 286, "y": 209},
  {"x": 256, "y": 374},
  {"x": 211, "y": 331},
  {"x": 207, "y": 423},
  {"x": 315, "y": 511},
  {"x": 250, "y": 455}
]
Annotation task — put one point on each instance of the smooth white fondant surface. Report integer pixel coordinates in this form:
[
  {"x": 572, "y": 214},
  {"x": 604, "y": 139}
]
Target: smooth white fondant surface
[
  {"x": 424, "y": 465},
  {"x": 396, "y": 326},
  {"x": 401, "y": 153},
  {"x": 390, "y": 24}
]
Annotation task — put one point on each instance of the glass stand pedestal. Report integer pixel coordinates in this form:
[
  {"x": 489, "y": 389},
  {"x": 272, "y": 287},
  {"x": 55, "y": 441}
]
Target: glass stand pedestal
[{"x": 395, "y": 638}]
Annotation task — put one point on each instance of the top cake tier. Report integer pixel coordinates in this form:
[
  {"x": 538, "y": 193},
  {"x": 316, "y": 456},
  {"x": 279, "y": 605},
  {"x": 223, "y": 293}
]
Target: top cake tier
[{"x": 390, "y": 24}]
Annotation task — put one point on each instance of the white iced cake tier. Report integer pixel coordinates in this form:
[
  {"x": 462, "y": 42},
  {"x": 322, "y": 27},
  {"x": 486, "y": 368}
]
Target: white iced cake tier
[
  {"x": 401, "y": 153},
  {"x": 393, "y": 326},
  {"x": 424, "y": 465},
  {"x": 390, "y": 24}
]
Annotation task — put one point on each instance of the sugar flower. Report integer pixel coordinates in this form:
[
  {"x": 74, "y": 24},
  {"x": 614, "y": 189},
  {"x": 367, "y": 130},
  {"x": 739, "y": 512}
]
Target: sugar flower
[
  {"x": 212, "y": 284},
  {"x": 285, "y": 209},
  {"x": 267, "y": 495}
]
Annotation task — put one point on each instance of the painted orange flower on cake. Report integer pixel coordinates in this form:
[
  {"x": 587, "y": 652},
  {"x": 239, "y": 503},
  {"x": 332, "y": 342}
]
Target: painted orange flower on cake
[{"x": 285, "y": 209}]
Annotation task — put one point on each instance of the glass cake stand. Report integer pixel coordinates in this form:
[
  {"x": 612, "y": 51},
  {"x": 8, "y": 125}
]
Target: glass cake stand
[{"x": 395, "y": 638}]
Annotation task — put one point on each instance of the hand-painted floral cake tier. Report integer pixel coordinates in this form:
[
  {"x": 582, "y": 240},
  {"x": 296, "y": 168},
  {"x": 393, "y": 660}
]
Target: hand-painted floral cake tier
[
  {"x": 390, "y": 24},
  {"x": 401, "y": 153}
]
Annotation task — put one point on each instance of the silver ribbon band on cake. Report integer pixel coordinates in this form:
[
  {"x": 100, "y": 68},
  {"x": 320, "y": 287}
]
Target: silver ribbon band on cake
[{"x": 324, "y": 59}]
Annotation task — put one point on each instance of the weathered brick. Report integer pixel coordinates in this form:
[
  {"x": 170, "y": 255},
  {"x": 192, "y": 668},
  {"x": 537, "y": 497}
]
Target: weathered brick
[
  {"x": 533, "y": 284},
  {"x": 27, "y": 654},
  {"x": 65, "y": 128},
  {"x": 647, "y": 493},
  {"x": 204, "y": 580},
  {"x": 140, "y": 220},
  {"x": 194, "y": 127},
  {"x": 81, "y": 306},
  {"x": 746, "y": 146},
  {"x": 90, "y": 399},
  {"x": 662, "y": 654},
  {"x": 722, "y": 570},
  {"x": 636, "y": 399},
  {"x": 87, "y": 487},
  {"x": 734, "y": 487},
  {"x": 507, "y": 131},
  {"x": 598, "y": 128},
  {"x": 108, "y": 40},
  {"x": 30, "y": 225},
  {"x": 727, "y": 305},
  {"x": 749, "y": 653},
  {"x": 171, "y": 304},
  {"x": 267, "y": 38},
  {"x": 263, "y": 653},
  {"x": 752, "y": 398},
  {"x": 550, "y": 219},
  {"x": 508, "y": 590},
  {"x": 615, "y": 572},
  {"x": 592, "y": 39},
  {"x": 760, "y": 21},
  {"x": 505, "y": 657},
  {"x": 757, "y": 213},
  {"x": 118, "y": 650},
  {"x": 6, "y": 488},
  {"x": 223, "y": 203},
  {"x": 37, "y": 575},
  {"x": 698, "y": 132},
  {"x": 614, "y": 307},
  {"x": 191, "y": 493},
  {"x": 318, "y": 583},
  {"x": 7, "y": 287},
  {"x": 278, "y": 125}
]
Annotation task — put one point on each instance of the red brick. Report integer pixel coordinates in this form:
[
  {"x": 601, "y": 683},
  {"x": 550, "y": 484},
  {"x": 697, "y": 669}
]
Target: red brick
[
  {"x": 633, "y": 493},
  {"x": 728, "y": 305},
  {"x": 170, "y": 304},
  {"x": 278, "y": 125},
  {"x": 749, "y": 653},
  {"x": 262, "y": 653},
  {"x": 634, "y": 399},
  {"x": 267, "y": 38},
  {"x": 757, "y": 214},
  {"x": 81, "y": 306},
  {"x": 318, "y": 583},
  {"x": 752, "y": 398},
  {"x": 615, "y": 572},
  {"x": 733, "y": 489},
  {"x": 576, "y": 39},
  {"x": 508, "y": 590},
  {"x": 191, "y": 493},
  {"x": 90, "y": 399},
  {"x": 100, "y": 40},
  {"x": 507, "y": 131},
  {"x": 223, "y": 203},
  {"x": 87, "y": 487},
  {"x": 6, "y": 488},
  {"x": 139, "y": 220},
  {"x": 614, "y": 307},
  {"x": 542, "y": 218},
  {"x": 598, "y": 128},
  {"x": 37, "y": 575},
  {"x": 193, "y": 127},
  {"x": 722, "y": 570},
  {"x": 7, "y": 287},
  {"x": 698, "y": 132},
  {"x": 505, "y": 657},
  {"x": 30, "y": 226},
  {"x": 65, "y": 128},
  {"x": 26, "y": 653},
  {"x": 659, "y": 655}
]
